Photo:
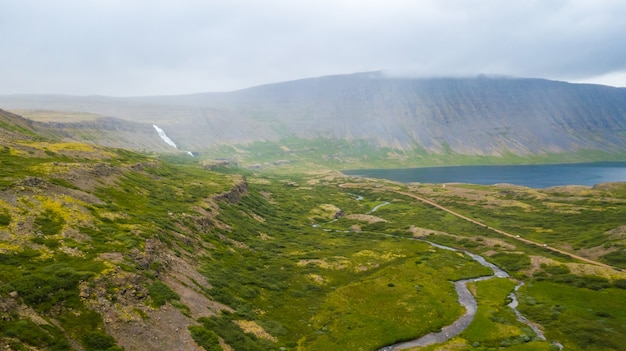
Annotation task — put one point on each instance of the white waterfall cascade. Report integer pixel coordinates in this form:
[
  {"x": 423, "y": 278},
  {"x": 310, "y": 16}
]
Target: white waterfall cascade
[{"x": 164, "y": 137}]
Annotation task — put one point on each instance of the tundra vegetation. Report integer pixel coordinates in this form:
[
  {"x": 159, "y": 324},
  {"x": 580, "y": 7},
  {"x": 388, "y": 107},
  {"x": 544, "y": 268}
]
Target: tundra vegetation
[{"x": 97, "y": 245}]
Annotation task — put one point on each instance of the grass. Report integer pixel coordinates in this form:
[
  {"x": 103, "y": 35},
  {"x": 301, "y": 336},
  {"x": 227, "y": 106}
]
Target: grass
[
  {"x": 340, "y": 309},
  {"x": 327, "y": 269},
  {"x": 495, "y": 324},
  {"x": 49, "y": 222},
  {"x": 22, "y": 333},
  {"x": 161, "y": 293},
  {"x": 205, "y": 338},
  {"x": 575, "y": 220},
  {"x": 579, "y": 318},
  {"x": 56, "y": 116},
  {"x": 396, "y": 303}
]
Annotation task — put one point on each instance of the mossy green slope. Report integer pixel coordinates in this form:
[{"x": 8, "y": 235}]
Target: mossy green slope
[{"x": 85, "y": 237}]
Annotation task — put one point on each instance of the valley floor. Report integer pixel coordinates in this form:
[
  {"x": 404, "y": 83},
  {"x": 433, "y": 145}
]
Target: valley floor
[{"x": 105, "y": 249}]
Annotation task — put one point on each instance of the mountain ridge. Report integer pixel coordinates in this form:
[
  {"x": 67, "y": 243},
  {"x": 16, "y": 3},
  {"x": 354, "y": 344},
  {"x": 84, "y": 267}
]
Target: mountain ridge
[{"x": 475, "y": 116}]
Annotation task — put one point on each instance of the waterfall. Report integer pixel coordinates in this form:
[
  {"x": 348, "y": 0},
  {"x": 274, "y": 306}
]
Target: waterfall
[{"x": 164, "y": 137}]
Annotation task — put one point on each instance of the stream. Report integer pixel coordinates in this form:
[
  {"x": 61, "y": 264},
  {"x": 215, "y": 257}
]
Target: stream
[
  {"x": 377, "y": 207},
  {"x": 466, "y": 299}
]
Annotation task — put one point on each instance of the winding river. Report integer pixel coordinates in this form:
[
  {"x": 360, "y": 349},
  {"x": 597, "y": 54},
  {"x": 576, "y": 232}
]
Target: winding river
[
  {"x": 466, "y": 299},
  {"x": 377, "y": 207}
]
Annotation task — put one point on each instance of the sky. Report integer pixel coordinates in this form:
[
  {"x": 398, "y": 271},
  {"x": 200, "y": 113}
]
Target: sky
[{"x": 158, "y": 47}]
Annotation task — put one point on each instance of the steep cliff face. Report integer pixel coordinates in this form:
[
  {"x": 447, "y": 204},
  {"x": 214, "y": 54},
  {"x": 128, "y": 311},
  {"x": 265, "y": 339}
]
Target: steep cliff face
[{"x": 474, "y": 116}]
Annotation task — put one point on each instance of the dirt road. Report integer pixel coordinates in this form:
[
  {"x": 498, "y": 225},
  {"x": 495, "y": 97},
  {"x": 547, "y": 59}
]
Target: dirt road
[{"x": 501, "y": 232}]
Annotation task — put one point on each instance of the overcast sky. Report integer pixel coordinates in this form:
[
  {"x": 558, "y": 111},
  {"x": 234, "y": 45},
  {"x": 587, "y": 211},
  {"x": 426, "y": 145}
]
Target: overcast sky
[{"x": 152, "y": 47}]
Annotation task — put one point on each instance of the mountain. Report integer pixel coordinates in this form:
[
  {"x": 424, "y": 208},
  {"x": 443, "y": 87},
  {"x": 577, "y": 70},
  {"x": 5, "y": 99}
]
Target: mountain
[{"x": 467, "y": 116}]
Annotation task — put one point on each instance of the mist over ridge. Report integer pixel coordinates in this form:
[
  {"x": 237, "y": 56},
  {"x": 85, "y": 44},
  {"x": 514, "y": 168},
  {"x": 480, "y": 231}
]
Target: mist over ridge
[{"x": 481, "y": 115}]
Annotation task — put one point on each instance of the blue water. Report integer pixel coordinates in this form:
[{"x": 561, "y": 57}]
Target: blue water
[{"x": 534, "y": 176}]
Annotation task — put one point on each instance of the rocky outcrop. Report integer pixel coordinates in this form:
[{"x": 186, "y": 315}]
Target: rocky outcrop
[
  {"x": 236, "y": 192},
  {"x": 127, "y": 313},
  {"x": 34, "y": 182}
]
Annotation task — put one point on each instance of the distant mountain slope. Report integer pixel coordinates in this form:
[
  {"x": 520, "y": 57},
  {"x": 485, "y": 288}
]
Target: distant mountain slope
[
  {"x": 14, "y": 127},
  {"x": 111, "y": 131},
  {"x": 472, "y": 116}
]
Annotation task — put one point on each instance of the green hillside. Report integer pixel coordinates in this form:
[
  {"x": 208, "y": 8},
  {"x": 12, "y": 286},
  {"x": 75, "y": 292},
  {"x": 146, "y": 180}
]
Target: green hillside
[{"x": 107, "y": 249}]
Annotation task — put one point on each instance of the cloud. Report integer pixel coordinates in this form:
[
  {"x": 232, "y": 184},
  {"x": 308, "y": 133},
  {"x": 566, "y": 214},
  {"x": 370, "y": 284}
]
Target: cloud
[{"x": 142, "y": 47}]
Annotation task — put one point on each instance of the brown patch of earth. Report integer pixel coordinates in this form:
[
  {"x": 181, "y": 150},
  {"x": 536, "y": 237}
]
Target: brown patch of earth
[
  {"x": 491, "y": 242},
  {"x": 317, "y": 278},
  {"x": 575, "y": 268},
  {"x": 580, "y": 190},
  {"x": 258, "y": 218},
  {"x": 595, "y": 252},
  {"x": 366, "y": 218},
  {"x": 134, "y": 324},
  {"x": 238, "y": 244},
  {"x": 420, "y": 232},
  {"x": 535, "y": 264},
  {"x": 224, "y": 345},
  {"x": 489, "y": 253},
  {"x": 253, "y": 328},
  {"x": 264, "y": 236},
  {"x": 588, "y": 269},
  {"x": 340, "y": 263},
  {"x": 185, "y": 280},
  {"x": 267, "y": 196},
  {"x": 618, "y": 233},
  {"x": 162, "y": 329}
]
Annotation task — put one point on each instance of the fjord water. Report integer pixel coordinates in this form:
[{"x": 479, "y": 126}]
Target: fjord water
[{"x": 534, "y": 176}]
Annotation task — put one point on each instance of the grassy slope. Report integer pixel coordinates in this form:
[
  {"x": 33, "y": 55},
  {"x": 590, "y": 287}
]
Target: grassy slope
[
  {"x": 575, "y": 303},
  {"x": 581, "y": 318},
  {"x": 56, "y": 116},
  {"x": 67, "y": 212}
]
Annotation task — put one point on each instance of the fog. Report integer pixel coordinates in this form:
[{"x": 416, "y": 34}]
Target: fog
[{"x": 141, "y": 47}]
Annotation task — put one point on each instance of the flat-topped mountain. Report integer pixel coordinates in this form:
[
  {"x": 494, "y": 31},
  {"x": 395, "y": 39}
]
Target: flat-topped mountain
[{"x": 470, "y": 116}]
